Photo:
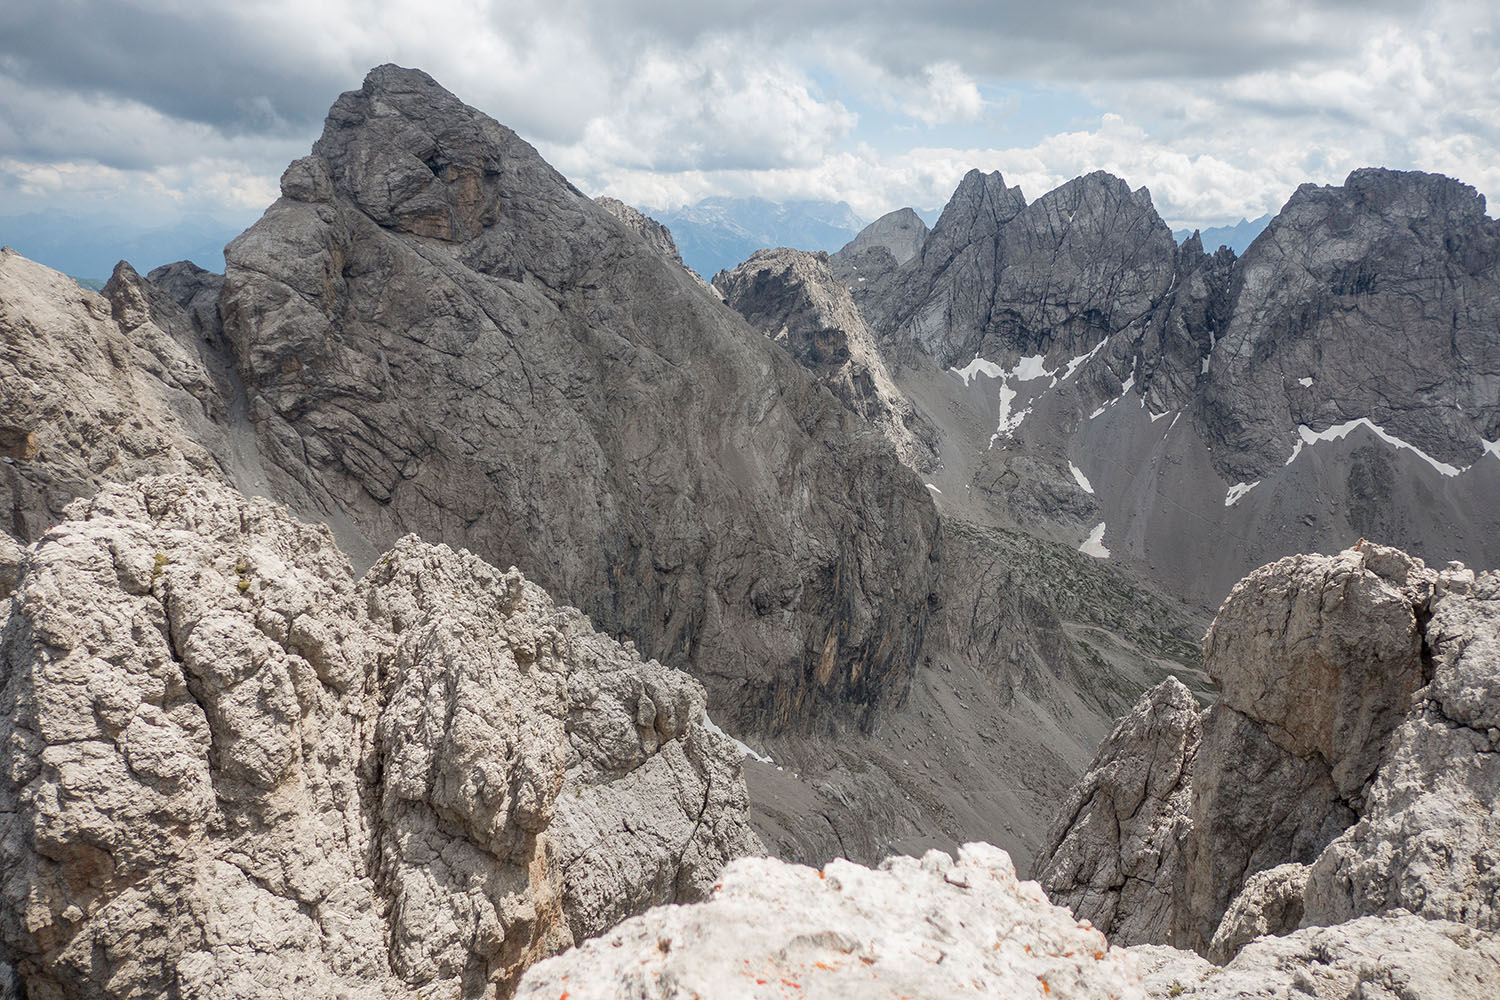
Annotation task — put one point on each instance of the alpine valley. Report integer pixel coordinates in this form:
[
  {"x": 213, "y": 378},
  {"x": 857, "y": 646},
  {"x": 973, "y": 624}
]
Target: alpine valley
[{"x": 419, "y": 607}]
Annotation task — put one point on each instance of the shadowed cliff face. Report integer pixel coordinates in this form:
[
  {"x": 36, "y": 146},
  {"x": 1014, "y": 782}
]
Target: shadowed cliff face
[
  {"x": 439, "y": 334},
  {"x": 998, "y": 275},
  {"x": 1385, "y": 293}
]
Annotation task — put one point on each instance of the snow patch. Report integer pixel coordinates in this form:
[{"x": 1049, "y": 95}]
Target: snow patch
[
  {"x": 1094, "y": 544},
  {"x": 1124, "y": 391},
  {"x": 1238, "y": 490},
  {"x": 1079, "y": 361},
  {"x": 745, "y": 751},
  {"x": 1157, "y": 416},
  {"x": 1030, "y": 367},
  {"x": 1008, "y": 421},
  {"x": 1339, "y": 431},
  {"x": 1027, "y": 368},
  {"x": 933, "y": 488},
  {"x": 1491, "y": 448},
  {"x": 1083, "y": 481},
  {"x": 1204, "y": 369},
  {"x": 977, "y": 367},
  {"x": 1305, "y": 383}
]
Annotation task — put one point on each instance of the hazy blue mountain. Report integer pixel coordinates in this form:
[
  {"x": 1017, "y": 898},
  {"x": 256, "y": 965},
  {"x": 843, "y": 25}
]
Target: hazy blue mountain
[
  {"x": 1237, "y": 237},
  {"x": 90, "y": 247},
  {"x": 720, "y": 233}
]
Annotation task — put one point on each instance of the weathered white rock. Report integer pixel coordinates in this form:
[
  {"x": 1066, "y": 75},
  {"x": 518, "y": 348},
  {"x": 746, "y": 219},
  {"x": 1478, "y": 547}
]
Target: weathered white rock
[
  {"x": 231, "y": 770},
  {"x": 926, "y": 928},
  {"x": 1270, "y": 903},
  {"x": 1429, "y": 840},
  {"x": 1373, "y": 958}
]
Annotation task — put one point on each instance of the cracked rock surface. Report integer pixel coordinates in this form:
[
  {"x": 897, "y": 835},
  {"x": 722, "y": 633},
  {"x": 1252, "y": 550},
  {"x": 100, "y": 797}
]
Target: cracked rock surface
[
  {"x": 922, "y": 929},
  {"x": 1349, "y": 770},
  {"x": 232, "y": 769},
  {"x": 439, "y": 334},
  {"x": 1372, "y": 958},
  {"x": 793, "y": 297},
  {"x": 1113, "y": 855}
]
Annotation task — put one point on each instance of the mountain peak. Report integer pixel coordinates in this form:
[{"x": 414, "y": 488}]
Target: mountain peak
[
  {"x": 902, "y": 232},
  {"x": 415, "y": 158}
]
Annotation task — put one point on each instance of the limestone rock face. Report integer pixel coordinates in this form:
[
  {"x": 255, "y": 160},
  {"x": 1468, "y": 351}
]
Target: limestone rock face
[
  {"x": 1324, "y": 652},
  {"x": 419, "y": 781},
  {"x": 901, "y": 233},
  {"x": 1373, "y": 288},
  {"x": 1429, "y": 838},
  {"x": 998, "y": 278},
  {"x": 92, "y": 390},
  {"x": 793, "y": 297},
  {"x": 1349, "y": 769},
  {"x": 1365, "y": 959},
  {"x": 1254, "y": 806},
  {"x": 196, "y": 292},
  {"x": 927, "y": 928},
  {"x": 440, "y": 334},
  {"x": 656, "y": 235},
  {"x": 1113, "y": 855},
  {"x": 1316, "y": 658}
]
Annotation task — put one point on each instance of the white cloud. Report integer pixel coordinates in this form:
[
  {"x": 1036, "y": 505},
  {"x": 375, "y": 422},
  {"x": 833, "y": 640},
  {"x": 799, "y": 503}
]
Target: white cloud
[
  {"x": 719, "y": 106},
  {"x": 947, "y": 94}
]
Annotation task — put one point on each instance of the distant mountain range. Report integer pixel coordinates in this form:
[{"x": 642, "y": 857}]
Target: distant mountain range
[
  {"x": 89, "y": 248},
  {"x": 1237, "y": 237},
  {"x": 719, "y": 233}
]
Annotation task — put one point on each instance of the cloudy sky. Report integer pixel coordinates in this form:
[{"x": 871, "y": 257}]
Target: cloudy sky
[{"x": 152, "y": 111}]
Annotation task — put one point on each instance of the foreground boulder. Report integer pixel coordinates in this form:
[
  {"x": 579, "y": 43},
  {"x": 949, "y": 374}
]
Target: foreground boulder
[
  {"x": 920, "y": 929},
  {"x": 1371, "y": 958},
  {"x": 231, "y": 769},
  {"x": 1348, "y": 770}
]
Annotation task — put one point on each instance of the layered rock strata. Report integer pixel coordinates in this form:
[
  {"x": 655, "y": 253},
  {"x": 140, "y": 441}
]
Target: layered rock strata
[{"x": 231, "y": 768}]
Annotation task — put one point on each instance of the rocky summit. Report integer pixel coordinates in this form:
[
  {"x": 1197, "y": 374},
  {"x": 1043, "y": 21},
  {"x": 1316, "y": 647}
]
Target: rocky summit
[{"x": 935, "y": 525}]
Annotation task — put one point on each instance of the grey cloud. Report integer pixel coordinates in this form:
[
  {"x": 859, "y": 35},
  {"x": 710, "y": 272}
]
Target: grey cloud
[
  {"x": 205, "y": 67},
  {"x": 273, "y": 76},
  {"x": 1078, "y": 39}
]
